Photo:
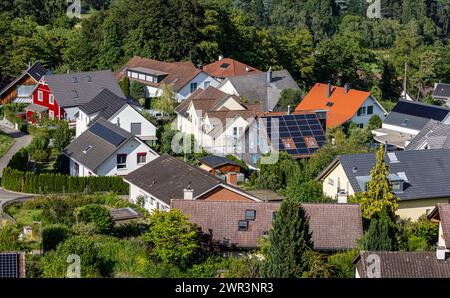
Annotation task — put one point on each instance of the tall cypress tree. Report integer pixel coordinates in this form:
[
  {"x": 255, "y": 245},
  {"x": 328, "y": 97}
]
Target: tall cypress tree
[
  {"x": 380, "y": 235},
  {"x": 289, "y": 239},
  {"x": 379, "y": 195}
]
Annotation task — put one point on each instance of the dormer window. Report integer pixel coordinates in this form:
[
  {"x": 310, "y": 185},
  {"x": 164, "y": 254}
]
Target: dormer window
[{"x": 397, "y": 186}]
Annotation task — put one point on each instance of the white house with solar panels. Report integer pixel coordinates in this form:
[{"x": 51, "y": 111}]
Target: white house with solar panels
[{"x": 105, "y": 149}]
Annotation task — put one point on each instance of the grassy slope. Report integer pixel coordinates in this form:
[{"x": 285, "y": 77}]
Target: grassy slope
[{"x": 5, "y": 143}]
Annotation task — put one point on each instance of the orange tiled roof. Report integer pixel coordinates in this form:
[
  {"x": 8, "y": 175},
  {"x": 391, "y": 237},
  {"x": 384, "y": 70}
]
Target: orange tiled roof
[
  {"x": 344, "y": 106},
  {"x": 234, "y": 68}
]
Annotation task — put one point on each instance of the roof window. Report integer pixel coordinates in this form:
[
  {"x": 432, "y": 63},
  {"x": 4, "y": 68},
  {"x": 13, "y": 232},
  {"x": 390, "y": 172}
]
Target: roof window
[
  {"x": 243, "y": 225},
  {"x": 250, "y": 214}
]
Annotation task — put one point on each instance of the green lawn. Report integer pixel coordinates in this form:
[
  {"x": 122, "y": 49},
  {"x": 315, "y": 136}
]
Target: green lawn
[{"x": 5, "y": 143}]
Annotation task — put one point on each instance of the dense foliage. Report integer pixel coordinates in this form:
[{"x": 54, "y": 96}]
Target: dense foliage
[{"x": 47, "y": 183}]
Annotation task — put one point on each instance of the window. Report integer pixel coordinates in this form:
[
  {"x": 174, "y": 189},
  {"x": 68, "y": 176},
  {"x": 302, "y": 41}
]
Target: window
[
  {"x": 136, "y": 129},
  {"x": 397, "y": 187},
  {"x": 369, "y": 110},
  {"x": 360, "y": 125},
  {"x": 25, "y": 90},
  {"x": 51, "y": 99},
  {"x": 362, "y": 111},
  {"x": 250, "y": 214},
  {"x": 141, "y": 158},
  {"x": 76, "y": 169},
  {"x": 330, "y": 181},
  {"x": 51, "y": 114},
  {"x": 235, "y": 131},
  {"x": 405, "y": 122},
  {"x": 40, "y": 96},
  {"x": 207, "y": 84},
  {"x": 134, "y": 75},
  {"x": 274, "y": 215},
  {"x": 121, "y": 161},
  {"x": 87, "y": 149},
  {"x": 311, "y": 142},
  {"x": 243, "y": 225},
  {"x": 74, "y": 93},
  {"x": 193, "y": 87}
]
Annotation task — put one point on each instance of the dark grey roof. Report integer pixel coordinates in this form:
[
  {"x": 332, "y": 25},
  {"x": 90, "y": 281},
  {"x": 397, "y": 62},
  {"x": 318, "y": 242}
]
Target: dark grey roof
[
  {"x": 106, "y": 103},
  {"x": 434, "y": 133},
  {"x": 402, "y": 264},
  {"x": 36, "y": 71},
  {"x": 416, "y": 113},
  {"x": 76, "y": 89},
  {"x": 442, "y": 90},
  {"x": 256, "y": 89},
  {"x": 217, "y": 161},
  {"x": 166, "y": 178},
  {"x": 419, "y": 166},
  {"x": 103, "y": 138},
  {"x": 405, "y": 120}
]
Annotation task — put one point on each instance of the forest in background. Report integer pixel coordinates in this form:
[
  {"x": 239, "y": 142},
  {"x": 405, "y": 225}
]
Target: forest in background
[{"x": 315, "y": 40}]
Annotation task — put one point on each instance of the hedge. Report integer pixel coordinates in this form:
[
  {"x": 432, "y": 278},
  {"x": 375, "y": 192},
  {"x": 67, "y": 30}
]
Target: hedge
[
  {"x": 30, "y": 182},
  {"x": 19, "y": 160}
]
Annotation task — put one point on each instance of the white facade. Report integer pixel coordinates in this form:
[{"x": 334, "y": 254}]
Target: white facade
[
  {"x": 125, "y": 117},
  {"x": 150, "y": 202},
  {"x": 368, "y": 109},
  {"x": 109, "y": 167},
  {"x": 202, "y": 80},
  {"x": 228, "y": 88}
]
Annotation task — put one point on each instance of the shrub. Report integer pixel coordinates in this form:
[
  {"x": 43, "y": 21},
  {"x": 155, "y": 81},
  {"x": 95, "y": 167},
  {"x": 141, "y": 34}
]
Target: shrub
[
  {"x": 341, "y": 264},
  {"x": 47, "y": 183},
  {"x": 9, "y": 236},
  {"x": 39, "y": 155},
  {"x": 19, "y": 160},
  {"x": 96, "y": 214},
  {"x": 54, "y": 234}
]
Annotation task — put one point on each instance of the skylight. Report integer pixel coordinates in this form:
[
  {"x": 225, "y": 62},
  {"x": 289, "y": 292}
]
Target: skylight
[
  {"x": 87, "y": 149},
  {"x": 224, "y": 65},
  {"x": 74, "y": 80},
  {"x": 74, "y": 93},
  {"x": 329, "y": 104},
  {"x": 405, "y": 122},
  {"x": 392, "y": 157}
]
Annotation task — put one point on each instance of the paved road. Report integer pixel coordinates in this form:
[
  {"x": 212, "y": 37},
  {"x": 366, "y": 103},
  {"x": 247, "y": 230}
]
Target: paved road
[{"x": 22, "y": 140}]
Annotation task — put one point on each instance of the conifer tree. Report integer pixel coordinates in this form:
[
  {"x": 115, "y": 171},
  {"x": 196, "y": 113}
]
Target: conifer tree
[
  {"x": 289, "y": 240},
  {"x": 379, "y": 195},
  {"x": 380, "y": 235}
]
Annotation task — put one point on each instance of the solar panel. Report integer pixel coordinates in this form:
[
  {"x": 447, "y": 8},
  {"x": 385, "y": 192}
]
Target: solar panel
[
  {"x": 107, "y": 134},
  {"x": 9, "y": 265},
  {"x": 292, "y": 132},
  {"x": 419, "y": 110}
]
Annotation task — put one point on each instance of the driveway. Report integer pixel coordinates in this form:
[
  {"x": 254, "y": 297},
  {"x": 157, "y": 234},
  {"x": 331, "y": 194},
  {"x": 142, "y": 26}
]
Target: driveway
[{"x": 22, "y": 140}]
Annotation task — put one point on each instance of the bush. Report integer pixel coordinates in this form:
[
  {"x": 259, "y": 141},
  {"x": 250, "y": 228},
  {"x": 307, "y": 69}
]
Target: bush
[
  {"x": 19, "y": 160},
  {"x": 48, "y": 183},
  {"x": 38, "y": 143},
  {"x": 9, "y": 236},
  {"x": 341, "y": 264},
  {"x": 39, "y": 155},
  {"x": 96, "y": 214},
  {"x": 54, "y": 234}
]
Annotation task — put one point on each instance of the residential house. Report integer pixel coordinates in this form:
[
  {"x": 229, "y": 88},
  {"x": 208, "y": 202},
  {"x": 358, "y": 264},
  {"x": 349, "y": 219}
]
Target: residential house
[
  {"x": 183, "y": 77},
  {"x": 117, "y": 110},
  {"x": 441, "y": 93},
  {"x": 441, "y": 214},
  {"x": 166, "y": 178},
  {"x": 217, "y": 120},
  {"x": 434, "y": 135},
  {"x": 419, "y": 178},
  {"x": 21, "y": 89},
  {"x": 227, "y": 67},
  {"x": 300, "y": 134},
  {"x": 260, "y": 88},
  {"x": 406, "y": 120},
  {"x": 105, "y": 149},
  {"x": 343, "y": 104},
  {"x": 61, "y": 95},
  {"x": 240, "y": 225},
  {"x": 217, "y": 165},
  {"x": 401, "y": 264}
]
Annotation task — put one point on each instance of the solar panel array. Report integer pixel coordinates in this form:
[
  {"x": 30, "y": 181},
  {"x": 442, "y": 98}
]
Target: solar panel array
[
  {"x": 107, "y": 134},
  {"x": 297, "y": 128},
  {"x": 9, "y": 265},
  {"x": 419, "y": 110}
]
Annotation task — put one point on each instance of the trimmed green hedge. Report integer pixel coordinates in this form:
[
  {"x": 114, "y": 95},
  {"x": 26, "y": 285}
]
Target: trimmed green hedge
[
  {"x": 30, "y": 182},
  {"x": 19, "y": 160}
]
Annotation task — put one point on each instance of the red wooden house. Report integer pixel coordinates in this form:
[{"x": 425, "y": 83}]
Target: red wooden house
[{"x": 60, "y": 95}]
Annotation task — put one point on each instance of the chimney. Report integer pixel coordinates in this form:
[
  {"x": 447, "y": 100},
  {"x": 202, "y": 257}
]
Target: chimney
[
  {"x": 269, "y": 75},
  {"x": 220, "y": 57},
  {"x": 232, "y": 178},
  {"x": 329, "y": 89},
  {"x": 188, "y": 192},
  {"x": 441, "y": 253},
  {"x": 289, "y": 110},
  {"x": 346, "y": 88}
]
